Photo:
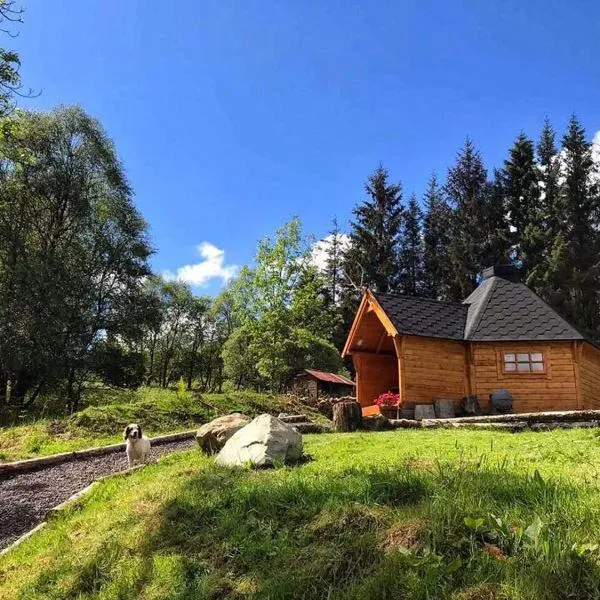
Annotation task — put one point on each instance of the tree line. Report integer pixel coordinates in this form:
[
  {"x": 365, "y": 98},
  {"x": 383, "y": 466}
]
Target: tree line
[
  {"x": 80, "y": 304},
  {"x": 539, "y": 210}
]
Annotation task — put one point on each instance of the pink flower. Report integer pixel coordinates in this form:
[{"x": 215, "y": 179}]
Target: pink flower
[{"x": 388, "y": 399}]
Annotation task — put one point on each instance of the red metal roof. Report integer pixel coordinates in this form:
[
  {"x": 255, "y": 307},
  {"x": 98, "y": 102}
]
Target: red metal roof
[{"x": 330, "y": 377}]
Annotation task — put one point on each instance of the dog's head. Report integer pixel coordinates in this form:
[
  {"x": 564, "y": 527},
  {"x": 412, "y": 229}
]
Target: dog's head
[{"x": 132, "y": 432}]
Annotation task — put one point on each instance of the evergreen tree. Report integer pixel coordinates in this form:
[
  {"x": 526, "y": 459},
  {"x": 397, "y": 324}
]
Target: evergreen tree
[
  {"x": 549, "y": 175},
  {"x": 371, "y": 259},
  {"x": 467, "y": 190},
  {"x": 411, "y": 250},
  {"x": 333, "y": 263},
  {"x": 580, "y": 200},
  {"x": 519, "y": 181},
  {"x": 436, "y": 224},
  {"x": 334, "y": 278},
  {"x": 540, "y": 275}
]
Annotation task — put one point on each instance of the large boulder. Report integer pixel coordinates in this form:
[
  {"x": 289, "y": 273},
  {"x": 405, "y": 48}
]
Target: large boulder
[
  {"x": 211, "y": 437},
  {"x": 264, "y": 442}
]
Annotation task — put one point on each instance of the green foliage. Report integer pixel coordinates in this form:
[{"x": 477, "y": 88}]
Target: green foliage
[
  {"x": 410, "y": 259},
  {"x": 407, "y": 514},
  {"x": 476, "y": 222},
  {"x": 117, "y": 366},
  {"x": 73, "y": 252},
  {"x": 371, "y": 259},
  {"x": 436, "y": 239},
  {"x": 157, "y": 410},
  {"x": 285, "y": 318}
]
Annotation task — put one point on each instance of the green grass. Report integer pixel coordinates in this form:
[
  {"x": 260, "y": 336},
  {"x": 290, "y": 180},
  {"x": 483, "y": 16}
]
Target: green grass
[
  {"x": 158, "y": 411},
  {"x": 403, "y": 514}
]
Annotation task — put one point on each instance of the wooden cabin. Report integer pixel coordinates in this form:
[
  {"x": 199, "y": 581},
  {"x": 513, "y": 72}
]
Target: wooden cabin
[
  {"x": 315, "y": 384},
  {"x": 502, "y": 336}
]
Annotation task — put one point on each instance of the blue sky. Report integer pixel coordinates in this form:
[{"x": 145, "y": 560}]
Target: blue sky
[{"x": 230, "y": 117}]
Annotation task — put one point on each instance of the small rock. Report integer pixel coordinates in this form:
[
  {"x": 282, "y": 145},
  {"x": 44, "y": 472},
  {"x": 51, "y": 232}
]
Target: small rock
[
  {"x": 211, "y": 437},
  {"x": 262, "y": 443}
]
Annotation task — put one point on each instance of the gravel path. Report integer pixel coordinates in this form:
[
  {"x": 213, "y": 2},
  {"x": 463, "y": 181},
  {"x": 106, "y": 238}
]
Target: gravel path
[{"x": 25, "y": 498}]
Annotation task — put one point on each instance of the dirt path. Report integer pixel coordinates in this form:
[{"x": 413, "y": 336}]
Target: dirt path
[{"x": 25, "y": 498}]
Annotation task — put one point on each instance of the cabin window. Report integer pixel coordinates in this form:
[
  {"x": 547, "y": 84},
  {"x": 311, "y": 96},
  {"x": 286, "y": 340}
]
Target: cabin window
[{"x": 523, "y": 362}]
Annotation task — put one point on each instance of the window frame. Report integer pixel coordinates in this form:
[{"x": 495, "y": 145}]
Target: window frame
[{"x": 530, "y": 353}]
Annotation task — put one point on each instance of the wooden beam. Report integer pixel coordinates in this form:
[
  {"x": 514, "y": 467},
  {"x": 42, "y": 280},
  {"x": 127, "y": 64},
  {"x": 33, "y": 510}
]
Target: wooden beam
[
  {"x": 399, "y": 346},
  {"x": 368, "y": 303},
  {"x": 576, "y": 349},
  {"x": 470, "y": 369},
  {"x": 381, "y": 338},
  {"x": 385, "y": 320},
  {"x": 355, "y": 325}
]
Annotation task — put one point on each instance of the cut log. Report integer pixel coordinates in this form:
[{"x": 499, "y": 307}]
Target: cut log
[{"x": 346, "y": 416}]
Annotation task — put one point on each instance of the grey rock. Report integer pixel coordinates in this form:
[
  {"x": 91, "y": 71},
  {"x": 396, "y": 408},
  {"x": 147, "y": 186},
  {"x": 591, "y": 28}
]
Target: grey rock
[
  {"x": 264, "y": 442},
  {"x": 211, "y": 437}
]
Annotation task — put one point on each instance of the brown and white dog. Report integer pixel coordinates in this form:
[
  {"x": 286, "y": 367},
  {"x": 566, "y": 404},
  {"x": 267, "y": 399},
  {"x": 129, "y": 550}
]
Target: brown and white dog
[{"x": 137, "y": 445}]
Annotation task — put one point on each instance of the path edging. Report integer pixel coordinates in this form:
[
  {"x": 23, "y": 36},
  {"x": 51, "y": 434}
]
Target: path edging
[
  {"x": 65, "y": 505},
  {"x": 31, "y": 464}
]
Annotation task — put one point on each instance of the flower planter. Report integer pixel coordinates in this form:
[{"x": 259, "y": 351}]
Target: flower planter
[{"x": 389, "y": 411}]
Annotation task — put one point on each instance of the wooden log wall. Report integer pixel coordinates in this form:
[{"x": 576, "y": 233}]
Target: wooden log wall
[
  {"x": 589, "y": 376},
  {"x": 375, "y": 374},
  {"x": 433, "y": 369},
  {"x": 556, "y": 389}
]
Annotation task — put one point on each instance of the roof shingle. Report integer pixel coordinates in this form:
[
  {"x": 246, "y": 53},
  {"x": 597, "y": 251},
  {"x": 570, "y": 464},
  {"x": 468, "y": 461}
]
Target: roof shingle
[
  {"x": 422, "y": 316},
  {"x": 498, "y": 310}
]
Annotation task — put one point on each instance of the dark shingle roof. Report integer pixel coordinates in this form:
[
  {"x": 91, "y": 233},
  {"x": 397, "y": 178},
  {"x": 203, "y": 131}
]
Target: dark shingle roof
[
  {"x": 498, "y": 310},
  {"x": 421, "y": 316}
]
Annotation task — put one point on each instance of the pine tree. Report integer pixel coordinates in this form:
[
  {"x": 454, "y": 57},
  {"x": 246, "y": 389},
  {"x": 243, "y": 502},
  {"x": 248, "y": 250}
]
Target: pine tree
[
  {"x": 334, "y": 278},
  {"x": 436, "y": 238},
  {"x": 580, "y": 200},
  {"x": 333, "y": 262},
  {"x": 494, "y": 231},
  {"x": 410, "y": 257},
  {"x": 467, "y": 191},
  {"x": 519, "y": 180},
  {"x": 549, "y": 168},
  {"x": 540, "y": 275},
  {"x": 371, "y": 259}
]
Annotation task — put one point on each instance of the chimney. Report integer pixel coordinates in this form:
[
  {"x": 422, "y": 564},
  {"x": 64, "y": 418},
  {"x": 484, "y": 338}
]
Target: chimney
[{"x": 510, "y": 272}]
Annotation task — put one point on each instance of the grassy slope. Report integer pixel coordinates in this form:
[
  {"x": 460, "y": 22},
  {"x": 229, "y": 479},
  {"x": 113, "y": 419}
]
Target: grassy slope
[
  {"x": 372, "y": 516},
  {"x": 158, "y": 411}
]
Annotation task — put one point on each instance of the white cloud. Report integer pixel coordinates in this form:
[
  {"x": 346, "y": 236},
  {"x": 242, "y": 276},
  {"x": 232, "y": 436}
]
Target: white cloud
[
  {"x": 319, "y": 252},
  {"x": 212, "y": 266}
]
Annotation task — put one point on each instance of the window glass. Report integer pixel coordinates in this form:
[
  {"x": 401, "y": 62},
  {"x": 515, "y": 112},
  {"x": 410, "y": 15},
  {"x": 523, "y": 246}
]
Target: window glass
[{"x": 523, "y": 362}]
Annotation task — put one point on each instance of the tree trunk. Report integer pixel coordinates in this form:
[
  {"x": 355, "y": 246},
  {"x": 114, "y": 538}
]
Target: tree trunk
[{"x": 346, "y": 416}]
